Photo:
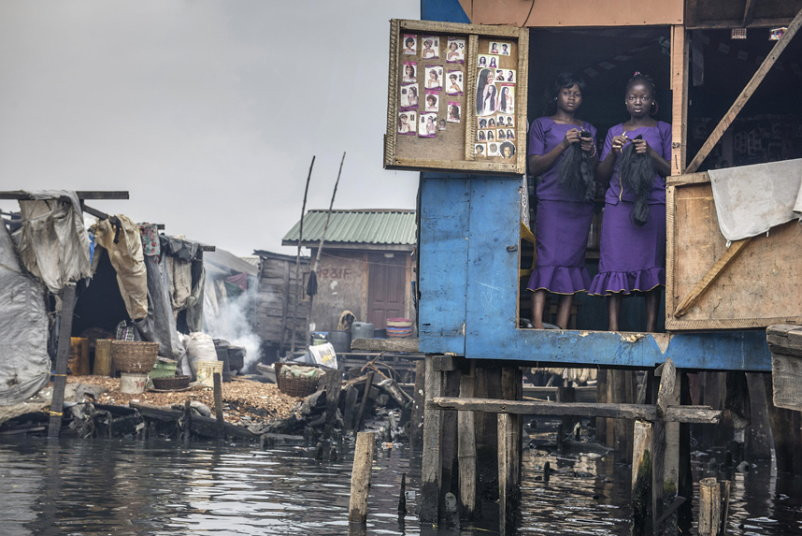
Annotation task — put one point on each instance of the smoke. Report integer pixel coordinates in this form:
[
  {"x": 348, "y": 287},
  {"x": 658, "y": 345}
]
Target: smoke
[{"x": 227, "y": 318}]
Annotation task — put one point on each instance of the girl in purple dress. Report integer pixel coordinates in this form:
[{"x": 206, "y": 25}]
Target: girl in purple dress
[
  {"x": 633, "y": 232},
  {"x": 563, "y": 213}
]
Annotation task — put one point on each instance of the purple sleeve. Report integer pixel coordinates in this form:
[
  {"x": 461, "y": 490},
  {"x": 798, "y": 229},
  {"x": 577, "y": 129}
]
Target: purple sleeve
[
  {"x": 537, "y": 138},
  {"x": 608, "y": 144},
  {"x": 665, "y": 136}
]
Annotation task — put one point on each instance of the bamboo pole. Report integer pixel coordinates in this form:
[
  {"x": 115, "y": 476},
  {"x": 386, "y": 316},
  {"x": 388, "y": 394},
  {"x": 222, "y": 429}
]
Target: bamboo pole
[{"x": 298, "y": 278}]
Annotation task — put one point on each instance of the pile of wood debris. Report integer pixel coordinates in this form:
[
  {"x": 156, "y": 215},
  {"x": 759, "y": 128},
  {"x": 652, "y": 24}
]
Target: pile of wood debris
[{"x": 244, "y": 401}]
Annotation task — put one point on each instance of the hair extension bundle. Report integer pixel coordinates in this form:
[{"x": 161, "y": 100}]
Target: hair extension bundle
[
  {"x": 576, "y": 173},
  {"x": 637, "y": 176}
]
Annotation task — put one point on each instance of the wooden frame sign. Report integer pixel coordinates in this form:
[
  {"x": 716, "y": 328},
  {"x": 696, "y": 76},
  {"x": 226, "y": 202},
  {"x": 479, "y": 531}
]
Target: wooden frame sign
[{"x": 457, "y": 97}]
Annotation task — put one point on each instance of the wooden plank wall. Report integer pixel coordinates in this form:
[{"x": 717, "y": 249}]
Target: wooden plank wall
[{"x": 275, "y": 319}]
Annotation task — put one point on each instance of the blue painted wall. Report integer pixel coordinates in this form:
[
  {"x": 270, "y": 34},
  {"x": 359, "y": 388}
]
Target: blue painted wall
[{"x": 469, "y": 287}]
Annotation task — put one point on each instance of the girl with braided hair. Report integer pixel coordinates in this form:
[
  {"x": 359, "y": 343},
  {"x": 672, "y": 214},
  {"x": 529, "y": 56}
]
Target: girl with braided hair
[
  {"x": 635, "y": 161},
  {"x": 564, "y": 211}
]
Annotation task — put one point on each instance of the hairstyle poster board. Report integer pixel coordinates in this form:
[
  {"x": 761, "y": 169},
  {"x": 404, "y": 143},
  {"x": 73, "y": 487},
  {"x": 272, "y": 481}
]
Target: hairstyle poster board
[{"x": 457, "y": 97}]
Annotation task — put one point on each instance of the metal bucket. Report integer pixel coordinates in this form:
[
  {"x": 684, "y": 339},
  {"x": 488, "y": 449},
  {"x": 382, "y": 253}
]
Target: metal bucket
[
  {"x": 362, "y": 330},
  {"x": 132, "y": 384},
  {"x": 341, "y": 340}
]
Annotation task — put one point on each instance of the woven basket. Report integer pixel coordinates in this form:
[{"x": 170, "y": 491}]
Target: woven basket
[
  {"x": 134, "y": 356},
  {"x": 295, "y": 385},
  {"x": 170, "y": 383}
]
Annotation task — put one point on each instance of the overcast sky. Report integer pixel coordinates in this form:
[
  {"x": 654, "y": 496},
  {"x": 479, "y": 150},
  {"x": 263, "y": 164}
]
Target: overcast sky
[{"x": 207, "y": 112}]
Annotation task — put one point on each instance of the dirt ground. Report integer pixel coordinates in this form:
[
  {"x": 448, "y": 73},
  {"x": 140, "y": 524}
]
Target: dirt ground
[{"x": 244, "y": 401}]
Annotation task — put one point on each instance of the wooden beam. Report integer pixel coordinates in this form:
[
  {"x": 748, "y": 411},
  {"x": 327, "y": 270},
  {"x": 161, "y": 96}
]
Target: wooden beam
[
  {"x": 409, "y": 345},
  {"x": 62, "y": 355},
  {"x": 679, "y": 98},
  {"x": 712, "y": 274},
  {"x": 466, "y": 445},
  {"x": 673, "y": 413},
  {"x": 749, "y": 10},
  {"x": 745, "y": 94},
  {"x": 82, "y": 194}
]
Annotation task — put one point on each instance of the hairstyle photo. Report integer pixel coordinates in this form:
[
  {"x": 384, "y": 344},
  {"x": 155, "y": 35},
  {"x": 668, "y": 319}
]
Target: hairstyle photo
[
  {"x": 493, "y": 48},
  {"x": 409, "y": 72},
  {"x": 479, "y": 150},
  {"x": 431, "y": 103},
  {"x": 509, "y": 74},
  {"x": 454, "y": 112},
  {"x": 441, "y": 124},
  {"x": 486, "y": 93},
  {"x": 407, "y": 123},
  {"x": 454, "y": 83},
  {"x": 455, "y": 50},
  {"x": 427, "y": 126},
  {"x": 433, "y": 79},
  {"x": 506, "y": 99},
  {"x": 409, "y": 97},
  {"x": 410, "y": 44},
  {"x": 492, "y": 149},
  {"x": 481, "y": 136},
  {"x": 504, "y": 49},
  {"x": 507, "y": 149},
  {"x": 431, "y": 47},
  {"x": 510, "y": 134}
]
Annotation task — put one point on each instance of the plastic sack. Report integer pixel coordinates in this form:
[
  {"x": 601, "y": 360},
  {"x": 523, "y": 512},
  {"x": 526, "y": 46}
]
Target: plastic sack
[{"x": 200, "y": 347}]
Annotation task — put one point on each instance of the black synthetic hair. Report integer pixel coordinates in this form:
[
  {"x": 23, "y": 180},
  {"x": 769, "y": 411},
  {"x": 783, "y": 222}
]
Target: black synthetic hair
[
  {"x": 562, "y": 81},
  {"x": 637, "y": 176},
  {"x": 576, "y": 173}
]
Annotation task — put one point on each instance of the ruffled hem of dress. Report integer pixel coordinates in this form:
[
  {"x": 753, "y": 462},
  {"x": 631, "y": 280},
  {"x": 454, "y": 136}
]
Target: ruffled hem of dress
[
  {"x": 606, "y": 283},
  {"x": 566, "y": 280}
]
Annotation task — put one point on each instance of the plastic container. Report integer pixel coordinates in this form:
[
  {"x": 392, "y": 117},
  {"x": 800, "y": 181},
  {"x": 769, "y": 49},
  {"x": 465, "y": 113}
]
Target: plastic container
[
  {"x": 319, "y": 337},
  {"x": 102, "y": 365},
  {"x": 341, "y": 340},
  {"x": 361, "y": 330},
  {"x": 163, "y": 369},
  {"x": 132, "y": 384},
  {"x": 205, "y": 372}
]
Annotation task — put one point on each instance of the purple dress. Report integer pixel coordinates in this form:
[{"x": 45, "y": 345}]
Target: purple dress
[
  {"x": 633, "y": 257},
  {"x": 562, "y": 221}
]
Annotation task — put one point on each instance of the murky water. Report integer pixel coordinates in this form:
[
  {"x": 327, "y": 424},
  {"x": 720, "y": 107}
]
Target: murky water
[{"x": 105, "y": 487}]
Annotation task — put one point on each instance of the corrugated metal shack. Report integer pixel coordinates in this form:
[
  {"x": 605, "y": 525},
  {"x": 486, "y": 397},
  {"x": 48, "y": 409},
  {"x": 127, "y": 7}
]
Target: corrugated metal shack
[{"x": 367, "y": 264}]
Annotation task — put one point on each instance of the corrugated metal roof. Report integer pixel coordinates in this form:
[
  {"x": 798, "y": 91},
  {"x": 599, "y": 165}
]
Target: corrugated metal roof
[{"x": 360, "y": 226}]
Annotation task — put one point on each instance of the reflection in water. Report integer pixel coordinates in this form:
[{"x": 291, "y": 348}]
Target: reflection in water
[{"x": 132, "y": 488}]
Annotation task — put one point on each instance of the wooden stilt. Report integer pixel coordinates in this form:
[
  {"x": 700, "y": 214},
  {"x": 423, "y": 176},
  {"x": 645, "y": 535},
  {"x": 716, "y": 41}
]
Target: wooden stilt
[
  {"x": 365, "y": 395},
  {"x": 642, "y": 479},
  {"x": 218, "y": 405},
  {"x": 449, "y": 438},
  {"x": 416, "y": 423},
  {"x": 466, "y": 449},
  {"x": 360, "y": 478},
  {"x": 504, "y": 428},
  {"x": 709, "y": 507},
  {"x": 333, "y": 388},
  {"x": 665, "y": 449},
  {"x": 349, "y": 410},
  {"x": 431, "y": 464},
  {"x": 62, "y": 354}
]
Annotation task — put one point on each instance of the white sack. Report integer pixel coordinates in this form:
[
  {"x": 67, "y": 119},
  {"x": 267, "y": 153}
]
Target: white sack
[
  {"x": 25, "y": 365},
  {"x": 200, "y": 347}
]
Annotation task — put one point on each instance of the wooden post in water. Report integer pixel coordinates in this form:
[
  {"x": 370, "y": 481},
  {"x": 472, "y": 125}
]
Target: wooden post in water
[
  {"x": 709, "y": 507},
  {"x": 62, "y": 353},
  {"x": 641, "y": 479},
  {"x": 504, "y": 469},
  {"x": 665, "y": 450},
  {"x": 365, "y": 394},
  {"x": 416, "y": 423},
  {"x": 466, "y": 448},
  {"x": 360, "y": 478},
  {"x": 431, "y": 463},
  {"x": 218, "y": 405}
]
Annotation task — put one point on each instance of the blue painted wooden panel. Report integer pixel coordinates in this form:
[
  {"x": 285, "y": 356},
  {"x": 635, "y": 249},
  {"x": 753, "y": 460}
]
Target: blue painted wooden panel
[
  {"x": 443, "y": 11},
  {"x": 443, "y": 251}
]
